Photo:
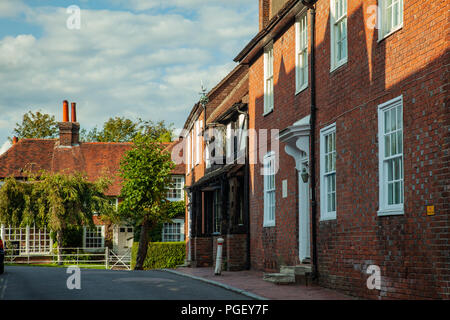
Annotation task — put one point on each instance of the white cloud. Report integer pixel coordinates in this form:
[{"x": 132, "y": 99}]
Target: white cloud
[
  {"x": 5, "y": 147},
  {"x": 121, "y": 63},
  {"x": 11, "y": 8}
]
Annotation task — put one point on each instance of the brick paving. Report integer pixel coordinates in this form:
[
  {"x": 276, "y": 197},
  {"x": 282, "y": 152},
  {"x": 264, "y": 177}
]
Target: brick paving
[{"x": 252, "y": 281}]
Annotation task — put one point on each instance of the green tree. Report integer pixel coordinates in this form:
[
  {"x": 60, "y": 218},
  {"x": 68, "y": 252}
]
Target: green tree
[
  {"x": 56, "y": 200},
  {"x": 36, "y": 125},
  {"x": 145, "y": 170},
  {"x": 158, "y": 131},
  {"x": 120, "y": 129}
]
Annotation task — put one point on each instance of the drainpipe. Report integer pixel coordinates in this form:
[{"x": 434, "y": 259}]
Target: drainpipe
[{"x": 310, "y": 4}]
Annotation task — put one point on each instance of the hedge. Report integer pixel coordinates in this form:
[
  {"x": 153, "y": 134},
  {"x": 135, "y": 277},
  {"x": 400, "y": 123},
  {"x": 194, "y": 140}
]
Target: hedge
[{"x": 161, "y": 255}]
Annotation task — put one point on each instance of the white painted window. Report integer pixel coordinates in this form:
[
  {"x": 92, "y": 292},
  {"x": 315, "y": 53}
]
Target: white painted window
[
  {"x": 188, "y": 153},
  {"x": 174, "y": 231},
  {"x": 192, "y": 148},
  {"x": 391, "y": 18},
  {"x": 301, "y": 57},
  {"x": 94, "y": 238},
  {"x": 338, "y": 20},
  {"x": 328, "y": 173},
  {"x": 390, "y": 137},
  {"x": 197, "y": 142},
  {"x": 176, "y": 189},
  {"x": 268, "y": 78},
  {"x": 269, "y": 189}
]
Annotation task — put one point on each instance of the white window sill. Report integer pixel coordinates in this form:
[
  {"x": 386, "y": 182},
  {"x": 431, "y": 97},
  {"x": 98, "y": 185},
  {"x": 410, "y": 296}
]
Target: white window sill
[
  {"x": 337, "y": 65},
  {"x": 174, "y": 199},
  {"x": 301, "y": 89},
  {"x": 330, "y": 216},
  {"x": 267, "y": 112},
  {"x": 391, "y": 212},
  {"x": 269, "y": 224},
  {"x": 381, "y": 38}
]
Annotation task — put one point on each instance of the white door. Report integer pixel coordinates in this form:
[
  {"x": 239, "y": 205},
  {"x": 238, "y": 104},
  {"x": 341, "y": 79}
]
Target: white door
[
  {"x": 304, "y": 226},
  {"x": 124, "y": 239}
]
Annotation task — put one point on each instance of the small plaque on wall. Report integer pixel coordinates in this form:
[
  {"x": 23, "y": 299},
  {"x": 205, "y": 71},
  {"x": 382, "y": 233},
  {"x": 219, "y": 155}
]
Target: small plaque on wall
[{"x": 284, "y": 189}]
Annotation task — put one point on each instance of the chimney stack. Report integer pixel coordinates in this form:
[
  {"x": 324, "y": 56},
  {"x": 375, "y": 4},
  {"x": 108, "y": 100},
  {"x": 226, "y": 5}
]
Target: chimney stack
[
  {"x": 15, "y": 140},
  {"x": 74, "y": 112},
  {"x": 65, "y": 111},
  {"x": 69, "y": 132},
  {"x": 264, "y": 13}
]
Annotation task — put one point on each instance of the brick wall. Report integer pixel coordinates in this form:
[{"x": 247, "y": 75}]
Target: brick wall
[
  {"x": 234, "y": 251},
  {"x": 413, "y": 249},
  {"x": 202, "y": 251}
]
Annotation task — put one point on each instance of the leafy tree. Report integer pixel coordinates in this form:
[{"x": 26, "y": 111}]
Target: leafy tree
[
  {"x": 36, "y": 125},
  {"x": 171, "y": 209},
  {"x": 116, "y": 129},
  {"x": 56, "y": 200},
  {"x": 145, "y": 170},
  {"x": 158, "y": 131},
  {"x": 120, "y": 129}
]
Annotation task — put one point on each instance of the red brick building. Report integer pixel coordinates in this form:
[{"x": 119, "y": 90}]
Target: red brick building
[
  {"x": 217, "y": 174},
  {"x": 359, "y": 175},
  {"x": 68, "y": 154}
]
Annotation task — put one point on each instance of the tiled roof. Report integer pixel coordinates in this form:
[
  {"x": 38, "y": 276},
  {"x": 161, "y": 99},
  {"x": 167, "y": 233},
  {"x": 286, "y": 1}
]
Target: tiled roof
[
  {"x": 31, "y": 154},
  {"x": 94, "y": 159}
]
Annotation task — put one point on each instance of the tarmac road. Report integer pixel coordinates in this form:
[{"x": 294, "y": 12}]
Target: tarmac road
[{"x": 47, "y": 283}]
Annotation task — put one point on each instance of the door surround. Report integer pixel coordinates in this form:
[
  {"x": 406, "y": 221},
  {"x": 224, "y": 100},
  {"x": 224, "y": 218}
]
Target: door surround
[{"x": 297, "y": 139}]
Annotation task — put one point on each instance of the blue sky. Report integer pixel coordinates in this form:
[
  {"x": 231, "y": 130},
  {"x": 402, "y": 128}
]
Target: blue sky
[{"x": 133, "y": 58}]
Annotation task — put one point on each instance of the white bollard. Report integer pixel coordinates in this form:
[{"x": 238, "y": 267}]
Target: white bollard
[{"x": 219, "y": 257}]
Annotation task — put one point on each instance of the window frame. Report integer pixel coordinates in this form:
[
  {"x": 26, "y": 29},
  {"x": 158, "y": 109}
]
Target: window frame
[
  {"x": 334, "y": 24},
  {"x": 180, "y": 234},
  {"x": 171, "y": 189},
  {"x": 87, "y": 231},
  {"x": 269, "y": 221},
  {"x": 324, "y": 213},
  {"x": 386, "y": 209},
  {"x": 382, "y": 30},
  {"x": 268, "y": 62},
  {"x": 301, "y": 48}
]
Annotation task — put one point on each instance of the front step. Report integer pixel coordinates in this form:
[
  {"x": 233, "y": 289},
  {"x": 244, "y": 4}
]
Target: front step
[
  {"x": 279, "y": 278},
  {"x": 298, "y": 270}
]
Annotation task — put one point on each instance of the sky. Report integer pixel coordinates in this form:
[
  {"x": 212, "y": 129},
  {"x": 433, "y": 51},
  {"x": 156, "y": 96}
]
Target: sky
[{"x": 128, "y": 58}]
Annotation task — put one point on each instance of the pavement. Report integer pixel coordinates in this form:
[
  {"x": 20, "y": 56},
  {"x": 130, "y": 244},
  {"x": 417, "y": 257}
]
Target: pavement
[{"x": 251, "y": 284}]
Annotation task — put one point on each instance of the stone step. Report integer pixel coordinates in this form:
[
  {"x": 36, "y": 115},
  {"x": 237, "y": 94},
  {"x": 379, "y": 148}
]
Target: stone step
[
  {"x": 279, "y": 278},
  {"x": 298, "y": 270}
]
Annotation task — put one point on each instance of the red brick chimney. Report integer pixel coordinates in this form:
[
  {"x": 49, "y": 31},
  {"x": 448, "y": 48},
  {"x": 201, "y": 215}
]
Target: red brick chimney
[
  {"x": 69, "y": 132},
  {"x": 74, "y": 112},
  {"x": 15, "y": 140},
  {"x": 264, "y": 13}
]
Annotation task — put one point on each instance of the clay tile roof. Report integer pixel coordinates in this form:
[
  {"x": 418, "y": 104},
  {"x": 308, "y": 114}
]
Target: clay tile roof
[
  {"x": 94, "y": 159},
  {"x": 31, "y": 154}
]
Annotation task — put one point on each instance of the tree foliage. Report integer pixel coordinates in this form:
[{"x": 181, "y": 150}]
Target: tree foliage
[
  {"x": 36, "y": 125},
  {"x": 120, "y": 129},
  {"x": 56, "y": 200},
  {"x": 145, "y": 170}
]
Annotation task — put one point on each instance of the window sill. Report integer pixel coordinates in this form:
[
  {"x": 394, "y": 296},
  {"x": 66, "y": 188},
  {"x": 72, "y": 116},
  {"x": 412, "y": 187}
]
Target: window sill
[
  {"x": 387, "y": 35},
  {"x": 301, "y": 89},
  {"x": 338, "y": 65},
  {"x": 269, "y": 225},
  {"x": 328, "y": 218},
  {"x": 390, "y": 212},
  {"x": 268, "y": 112}
]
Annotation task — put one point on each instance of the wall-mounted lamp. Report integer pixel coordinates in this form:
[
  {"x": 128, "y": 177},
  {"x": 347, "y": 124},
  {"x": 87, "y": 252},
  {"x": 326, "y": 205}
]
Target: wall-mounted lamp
[{"x": 305, "y": 175}]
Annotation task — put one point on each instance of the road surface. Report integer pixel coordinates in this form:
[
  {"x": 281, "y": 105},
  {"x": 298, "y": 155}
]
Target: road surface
[{"x": 46, "y": 283}]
